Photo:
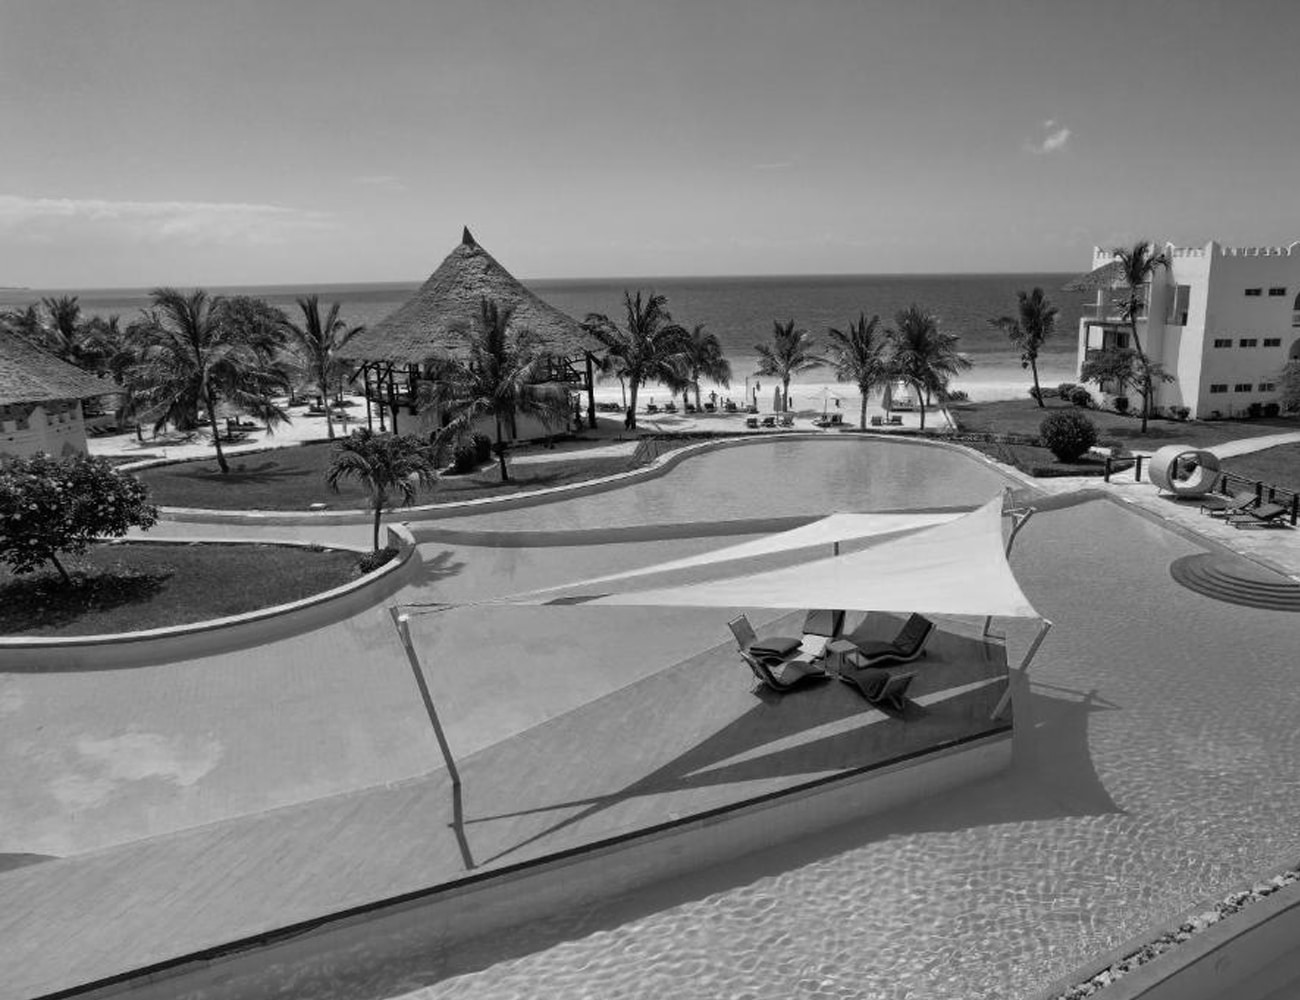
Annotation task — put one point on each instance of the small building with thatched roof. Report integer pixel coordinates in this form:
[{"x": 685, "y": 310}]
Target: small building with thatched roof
[
  {"x": 40, "y": 400},
  {"x": 409, "y": 342}
]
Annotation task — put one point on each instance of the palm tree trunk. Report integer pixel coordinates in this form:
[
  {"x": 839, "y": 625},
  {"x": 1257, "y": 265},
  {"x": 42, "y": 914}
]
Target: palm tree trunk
[
  {"x": 379, "y": 512},
  {"x": 697, "y": 392},
  {"x": 920, "y": 401},
  {"x": 785, "y": 393},
  {"x": 629, "y": 418},
  {"x": 216, "y": 433},
  {"x": 862, "y": 417},
  {"x": 501, "y": 454},
  {"x": 62, "y": 572},
  {"x": 1142, "y": 360},
  {"x": 1038, "y": 393},
  {"x": 323, "y": 385}
]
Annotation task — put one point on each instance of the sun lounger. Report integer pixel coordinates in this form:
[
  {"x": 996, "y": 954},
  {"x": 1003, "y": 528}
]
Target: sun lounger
[
  {"x": 820, "y": 626},
  {"x": 907, "y": 645},
  {"x": 748, "y": 640},
  {"x": 877, "y": 421},
  {"x": 787, "y": 420},
  {"x": 1267, "y": 514},
  {"x": 751, "y": 422},
  {"x": 880, "y": 687},
  {"x": 782, "y": 675},
  {"x": 896, "y": 420},
  {"x": 1219, "y": 505},
  {"x": 769, "y": 421},
  {"x": 651, "y": 408},
  {"x": 670, "y": 407},
  {"x": 710, "y": 407}
]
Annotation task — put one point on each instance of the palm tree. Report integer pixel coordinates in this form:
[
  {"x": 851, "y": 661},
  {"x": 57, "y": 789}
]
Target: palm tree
[
  {"x": 192, "y": 357},
  {"x": 498, "y": 378},
  {"x": 1028, "y": 331},
  {"x": 383, "y": 464},
  {"x": 703, "y": 359},
  {"x": 319, "y": 341},
  {"x": 1138, "y": 266},
  {"x": 858, "y": 356},
  {"x": 648, "y": 348},
  {"x": 61, "y": 333},
  {"x": 790, "y": 352},
  {"x": 922, "y": 355}
]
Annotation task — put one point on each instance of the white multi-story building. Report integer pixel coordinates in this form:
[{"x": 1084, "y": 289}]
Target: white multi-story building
[{"x": 1222, "y": 320}]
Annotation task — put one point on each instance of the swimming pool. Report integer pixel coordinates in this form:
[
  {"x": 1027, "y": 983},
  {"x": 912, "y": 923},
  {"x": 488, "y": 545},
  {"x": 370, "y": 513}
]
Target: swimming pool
[{"x": 775, "y": 478}]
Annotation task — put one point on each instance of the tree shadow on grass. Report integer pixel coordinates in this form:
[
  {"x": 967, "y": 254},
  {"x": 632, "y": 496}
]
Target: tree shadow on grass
[
  {"x": 43, "y": 603},
  {"x": 263, "y": 472}
]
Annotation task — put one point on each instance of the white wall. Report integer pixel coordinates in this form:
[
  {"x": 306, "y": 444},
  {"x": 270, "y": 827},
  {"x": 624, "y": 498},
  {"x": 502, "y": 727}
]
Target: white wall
[{"x": 56, "y": 428}]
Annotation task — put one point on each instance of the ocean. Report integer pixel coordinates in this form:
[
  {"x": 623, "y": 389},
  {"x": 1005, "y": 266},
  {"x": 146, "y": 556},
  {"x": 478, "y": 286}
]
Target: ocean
[{"x": 739, "y": 310}]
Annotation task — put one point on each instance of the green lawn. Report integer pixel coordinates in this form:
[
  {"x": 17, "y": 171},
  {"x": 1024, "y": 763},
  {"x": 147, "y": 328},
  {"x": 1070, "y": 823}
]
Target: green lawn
[
  {"x": 1278, "y": 466},
  {"x": 294, "y": 479},
  {"x": 128, "y": 587},
  {"x": 1023, "y": 416}
]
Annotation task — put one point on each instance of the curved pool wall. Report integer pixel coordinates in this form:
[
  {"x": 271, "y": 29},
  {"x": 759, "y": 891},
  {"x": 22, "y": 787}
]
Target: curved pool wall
[
  {"x": 219, "y": 635},
  {"x": 800, "y": 477},
  {"x": 851, "y": 494}
]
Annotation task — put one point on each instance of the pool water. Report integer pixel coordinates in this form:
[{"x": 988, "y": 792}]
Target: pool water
[{"x": 777, "y": 478}]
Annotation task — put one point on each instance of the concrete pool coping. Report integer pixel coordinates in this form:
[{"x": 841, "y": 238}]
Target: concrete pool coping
[{"x": 722, "y": 754}]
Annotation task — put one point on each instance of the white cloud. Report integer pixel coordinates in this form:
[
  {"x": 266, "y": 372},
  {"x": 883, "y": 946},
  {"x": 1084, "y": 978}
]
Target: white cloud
[
  {"x": 1053, "y": 139},
  {"x": 381, "y": 182},
  {"x": 48, "y": 220}
]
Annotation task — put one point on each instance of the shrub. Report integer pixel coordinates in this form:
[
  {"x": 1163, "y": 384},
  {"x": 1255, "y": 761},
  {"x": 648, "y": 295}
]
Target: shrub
[
  {"x": 482, "y": 448},
  {"x": 465, "y": 459},
  {"x": 1080, "y": 396},
  {"x": 1181, "y": 412},
  {"x": 371, "y": 561},
  {"x": 1271, "y": 409},
  {"x": 1065, "y": 388},
  {"x": 1067, "y": 435},
  {"x": 1255, "y": 410},
  {"x": 1121, "y": 404},
  {"x": 49, "y": 505}
]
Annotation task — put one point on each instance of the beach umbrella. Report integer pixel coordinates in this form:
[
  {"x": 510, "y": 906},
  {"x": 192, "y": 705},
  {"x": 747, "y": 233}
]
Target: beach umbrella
[{"x": 776, "y": 401}]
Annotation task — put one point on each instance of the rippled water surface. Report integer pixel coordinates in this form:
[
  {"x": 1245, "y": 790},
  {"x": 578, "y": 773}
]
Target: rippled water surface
[{"x": 776, "y": 478}]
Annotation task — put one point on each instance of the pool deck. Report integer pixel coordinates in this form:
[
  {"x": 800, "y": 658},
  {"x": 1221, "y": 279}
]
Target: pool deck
[{"x": 675, "y": 744}]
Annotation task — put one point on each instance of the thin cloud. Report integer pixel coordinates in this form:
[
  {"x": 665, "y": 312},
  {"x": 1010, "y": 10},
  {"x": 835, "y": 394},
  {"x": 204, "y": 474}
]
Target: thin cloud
[
  {"x": 382, "y": 182},
  {"x": 1054, "y": 139},
  {"x": 192, "y": 223}
]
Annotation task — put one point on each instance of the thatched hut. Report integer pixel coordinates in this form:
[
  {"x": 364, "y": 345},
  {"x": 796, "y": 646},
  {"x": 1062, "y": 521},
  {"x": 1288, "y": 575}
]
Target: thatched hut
[
  {"x": 40, "y": 400},
  {"x": 401, "y": 347}
]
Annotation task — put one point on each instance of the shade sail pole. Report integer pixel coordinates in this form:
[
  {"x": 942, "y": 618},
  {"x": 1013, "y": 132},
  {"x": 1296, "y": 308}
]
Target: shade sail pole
[{"x": 1044, "y": 627}]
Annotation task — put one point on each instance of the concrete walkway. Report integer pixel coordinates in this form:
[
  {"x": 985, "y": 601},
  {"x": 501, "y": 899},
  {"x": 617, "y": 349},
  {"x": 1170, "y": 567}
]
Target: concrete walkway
[{"x": 1244, "y": 446}]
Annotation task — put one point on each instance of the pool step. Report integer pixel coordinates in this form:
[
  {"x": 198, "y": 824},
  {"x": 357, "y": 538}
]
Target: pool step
[{"x": 1236, "y": 581}]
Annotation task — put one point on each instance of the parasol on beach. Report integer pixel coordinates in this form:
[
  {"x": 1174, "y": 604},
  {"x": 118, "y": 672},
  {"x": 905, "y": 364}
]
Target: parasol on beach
[{"x": 777, "y": 401}]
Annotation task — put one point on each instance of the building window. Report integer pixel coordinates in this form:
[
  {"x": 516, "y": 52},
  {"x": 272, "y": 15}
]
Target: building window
[
  {"x": 1241, "y": 387},
  {"x": 1272, "y": 341},
  {"x": 1277, "y": 292},
  {"x": 1248, "y": 342},
  {"x": 1178, "y": 303},
  {"x": 1223, "y": 342},
  {"x": 1254, "y": 292},
  {"x": 1268, "y": 387},
  {"x": 1218, "y": 387}
]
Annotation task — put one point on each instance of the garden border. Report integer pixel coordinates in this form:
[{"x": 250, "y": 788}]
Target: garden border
[{"x": 218, "y": 635}]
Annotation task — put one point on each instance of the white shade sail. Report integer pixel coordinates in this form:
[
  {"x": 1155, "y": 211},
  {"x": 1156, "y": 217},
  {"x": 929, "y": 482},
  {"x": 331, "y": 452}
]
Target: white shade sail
[{"x": 956, "y": 567}]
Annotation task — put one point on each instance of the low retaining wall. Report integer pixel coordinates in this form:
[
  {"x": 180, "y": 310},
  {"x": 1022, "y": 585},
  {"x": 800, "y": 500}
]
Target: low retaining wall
[
  {"x": 440, "y": 917},
  {"x": 184, "y": 642}
]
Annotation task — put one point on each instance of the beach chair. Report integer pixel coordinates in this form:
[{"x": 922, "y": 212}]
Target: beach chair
[
  {"x": 772, "y": 645},
  {"x": 710, "y": 407},
  {"x": 651, "y": 408},
  {"x": 880, "y": 687},
  {"x": 787, "y": 420},
  {"x": 1265, "y": 514},
  {"x": 782, "y": 675},
  {"x": 769, "y": 421},
  {"x": 907, "y": 645},
  {"x": 1217, "y": 505},
  {"x": 752, "y": 423},
  {"x": 820, "y": 626},
  {"x": 877, "y": 421},
  {"x": 670, "y": 407}
]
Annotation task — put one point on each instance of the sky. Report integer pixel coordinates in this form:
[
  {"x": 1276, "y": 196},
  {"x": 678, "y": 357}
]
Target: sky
[{"x": 150, "y": 142}]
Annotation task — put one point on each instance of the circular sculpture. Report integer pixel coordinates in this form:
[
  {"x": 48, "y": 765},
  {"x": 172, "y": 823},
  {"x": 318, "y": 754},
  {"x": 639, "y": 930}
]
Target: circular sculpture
[{"x": 1184, "y": 471}]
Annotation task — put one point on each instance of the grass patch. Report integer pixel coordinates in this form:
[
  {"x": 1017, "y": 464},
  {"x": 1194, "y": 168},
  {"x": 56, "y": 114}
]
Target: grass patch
[
  {"x": 1023, "y": 416},
  {"x": 129, "y": 587},
  {"x": 1278, "y": 466},
  {"x": 294, "y": 479},
  {"x": 1040, "y": 462}
]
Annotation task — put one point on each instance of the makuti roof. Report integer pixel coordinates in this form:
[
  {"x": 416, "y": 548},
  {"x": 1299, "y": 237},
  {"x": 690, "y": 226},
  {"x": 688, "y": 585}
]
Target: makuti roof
[
  {"x": 31, "y": 375},
  {"x": 427, "y": 325},
  {"x": 1107, "y": 276}
]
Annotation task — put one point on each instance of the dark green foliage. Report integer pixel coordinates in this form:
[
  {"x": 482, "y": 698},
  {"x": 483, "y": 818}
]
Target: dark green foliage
[
  {"x": 1064, "y": 389},
  {"x": 1121, "y": 404},
  {"x": 48, "y": 506},
  {"x": 482, "y": 445},
  {"x": 465, "y": 458},
  {"x": 371, "y": 561},
  {"x": 385, "y": 464},
  {"x": 1067, "y": 434},
  {"x": 1080, "y": 396},
  {"x": 1271, "y": 409}
]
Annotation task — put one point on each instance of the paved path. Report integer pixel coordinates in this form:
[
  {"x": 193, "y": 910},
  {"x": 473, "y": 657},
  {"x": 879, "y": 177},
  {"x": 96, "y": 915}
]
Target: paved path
[{"x": 1244, "y": 446}]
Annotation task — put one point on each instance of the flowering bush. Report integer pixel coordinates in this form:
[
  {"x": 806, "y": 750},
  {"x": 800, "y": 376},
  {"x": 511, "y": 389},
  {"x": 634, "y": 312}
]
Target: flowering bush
[
  {"x": 1067, "y": 434},
  {"x": 49, "y": 505}
]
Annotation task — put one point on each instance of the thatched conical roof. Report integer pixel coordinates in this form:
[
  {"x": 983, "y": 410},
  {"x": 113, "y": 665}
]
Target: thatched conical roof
[
  {"x": 1107, "y": 276},
  {"x": 31, "y": 375},
  {"x": 427, "y": 325}
]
